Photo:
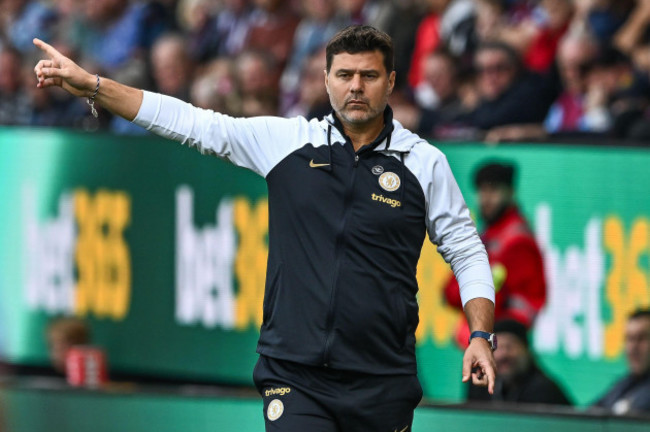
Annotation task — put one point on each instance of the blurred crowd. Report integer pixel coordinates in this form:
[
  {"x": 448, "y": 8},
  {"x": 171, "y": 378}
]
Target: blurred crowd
[{"x": 494, "y": 70}]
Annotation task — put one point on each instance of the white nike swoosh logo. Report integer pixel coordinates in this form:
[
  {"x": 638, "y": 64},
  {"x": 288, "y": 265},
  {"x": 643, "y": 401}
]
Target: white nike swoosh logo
[{"x": 316, "y": 165}]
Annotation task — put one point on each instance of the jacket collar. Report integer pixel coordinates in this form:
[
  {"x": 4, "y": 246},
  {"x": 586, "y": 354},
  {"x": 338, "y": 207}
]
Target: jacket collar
[{"x": 401, "y": 140}]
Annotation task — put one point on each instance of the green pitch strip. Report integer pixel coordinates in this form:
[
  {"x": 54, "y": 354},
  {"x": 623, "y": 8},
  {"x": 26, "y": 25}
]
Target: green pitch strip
[{"x": 62, "y": 410}]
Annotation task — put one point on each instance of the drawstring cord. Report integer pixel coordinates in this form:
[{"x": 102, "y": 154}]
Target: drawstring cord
[{"x": 329, "y": 146}]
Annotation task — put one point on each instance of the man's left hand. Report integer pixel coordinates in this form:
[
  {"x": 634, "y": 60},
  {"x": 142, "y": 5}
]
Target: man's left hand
[{"x": 478, "y": 364}]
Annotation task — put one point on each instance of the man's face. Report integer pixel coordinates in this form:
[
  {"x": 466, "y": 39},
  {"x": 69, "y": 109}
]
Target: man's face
[
  {"x": 9, "y": 72},
  {"x": 440, "y": 74},
  {"x": 311, "y": 88},
  {"x": 495, "y": 73},
  {"x": 512, "y": 357},
  {"x": 492, "y": 199},
  {"x": 170, "y": 66},
  {"x": 573, "y": 56},
  {"x": 637, "y": 345},
  {"x": 358, "y": 86}
]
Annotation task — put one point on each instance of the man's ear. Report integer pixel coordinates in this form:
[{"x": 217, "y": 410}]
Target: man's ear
[
  {"x": 327, "y": 82},
  {"x": 391, "y": 83}
]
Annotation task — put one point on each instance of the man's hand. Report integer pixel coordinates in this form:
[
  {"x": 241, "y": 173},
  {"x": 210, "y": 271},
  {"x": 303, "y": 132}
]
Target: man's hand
[
  {"x": 62, "y": 72},
  {"x": 478, "y": 364}
]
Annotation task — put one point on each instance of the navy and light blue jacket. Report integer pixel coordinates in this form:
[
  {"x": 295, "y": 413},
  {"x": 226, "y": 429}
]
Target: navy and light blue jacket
[{"x": 345, "y": 230}]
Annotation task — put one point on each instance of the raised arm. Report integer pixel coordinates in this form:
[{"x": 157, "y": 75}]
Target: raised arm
[{"x": 60, "y": 71}]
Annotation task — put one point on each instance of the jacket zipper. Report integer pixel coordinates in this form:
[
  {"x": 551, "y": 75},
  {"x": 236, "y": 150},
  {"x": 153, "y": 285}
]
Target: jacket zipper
[{"x": 340, "y": 244}]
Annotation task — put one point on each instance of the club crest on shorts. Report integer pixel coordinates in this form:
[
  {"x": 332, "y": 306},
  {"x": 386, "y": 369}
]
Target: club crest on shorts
[
  {"x": 389, "y": 181},
  {"x": 377, "y": 170},
  {"x": 275, "y": 409}
]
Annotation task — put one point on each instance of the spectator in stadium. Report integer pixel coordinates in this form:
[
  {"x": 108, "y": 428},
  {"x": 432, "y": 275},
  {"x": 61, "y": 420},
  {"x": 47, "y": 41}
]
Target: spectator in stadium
[
  {"x": 116, "y": 34},
  {"x": 548, "y": 26},
  {"x": 632, "y": 37},
  {"x": 620, "y": 90},
  {"x": 574, "y": 110},
  {"x": 508, "y": 93},
  {"x": 570, "y": 113},
  {"x": 438, "y": 120},
  {"x": 376, "y": 13},
  {"x": 519, "y": 378},
  {"x": 256, "y": 86},
  {"x": 171, "y": 66},
  {"x": 15, "y": 106},
  {"x": 631, "y": 394},
  {"x": 534, "y": 35},
  {"x": 515, "y": 258},
  {"x": 448, "y": 24},
  {"x": 313, "y": 100},
  {"x": 603, "y": 18},
  {"x": 272, "y": 30},
  {"x": 317, "y": 26},
  {"x": 490, "y": 20},
  {"x": 405, "y": 17},
  {"x": 215, "y": 33},
  {"x": 351, "y": 199},
  {"x": 22, "y": 20},
  {"x": 61, "y": 335},
  {"x": 582, "y": 106},
  {"x": 215, "y": 88}
]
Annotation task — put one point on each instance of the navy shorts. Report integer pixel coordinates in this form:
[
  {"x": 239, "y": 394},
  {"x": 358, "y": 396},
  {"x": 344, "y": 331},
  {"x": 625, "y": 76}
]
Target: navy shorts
[{"x": 300, "y": 398}]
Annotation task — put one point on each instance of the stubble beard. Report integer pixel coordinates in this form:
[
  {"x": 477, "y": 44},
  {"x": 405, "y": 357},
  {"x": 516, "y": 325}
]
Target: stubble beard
[{"x": 357, "y": 115}]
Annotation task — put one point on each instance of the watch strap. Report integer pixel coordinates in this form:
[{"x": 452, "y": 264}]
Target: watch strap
[{"x": 490, "y": 337}]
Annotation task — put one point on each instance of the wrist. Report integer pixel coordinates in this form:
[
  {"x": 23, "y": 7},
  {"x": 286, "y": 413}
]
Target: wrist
[
  {"x": 91, "y": 98},
  {"x": 489, "y": 338},
  {"x": 91, "y": 86}
]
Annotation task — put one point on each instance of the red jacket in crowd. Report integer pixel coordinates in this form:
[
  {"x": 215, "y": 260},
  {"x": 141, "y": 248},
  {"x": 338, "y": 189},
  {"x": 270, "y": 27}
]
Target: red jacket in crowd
[{"x": 517, "y": 270}]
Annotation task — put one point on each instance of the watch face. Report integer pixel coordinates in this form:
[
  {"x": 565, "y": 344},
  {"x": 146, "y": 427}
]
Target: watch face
[{"x": 493, "y": 340}]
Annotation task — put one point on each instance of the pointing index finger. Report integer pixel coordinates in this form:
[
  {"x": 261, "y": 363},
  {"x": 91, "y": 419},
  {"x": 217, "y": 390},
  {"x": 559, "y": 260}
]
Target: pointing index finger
[
  {"x": 47, "y": 48},
  {"x": 491, "y": 378}
]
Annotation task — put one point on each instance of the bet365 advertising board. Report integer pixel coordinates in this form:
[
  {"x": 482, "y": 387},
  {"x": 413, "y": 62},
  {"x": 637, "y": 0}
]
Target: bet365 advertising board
[{"x": 163, "y": 252}]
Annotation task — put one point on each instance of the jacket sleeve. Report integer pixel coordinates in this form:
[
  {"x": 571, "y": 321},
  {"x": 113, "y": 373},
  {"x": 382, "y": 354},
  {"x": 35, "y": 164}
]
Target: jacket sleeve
[
  {"x": 451, "y": 228},
  {"x": 251, "y": 143}
]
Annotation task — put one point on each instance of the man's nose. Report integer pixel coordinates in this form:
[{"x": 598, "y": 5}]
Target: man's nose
[{"x": 356, "y": 84}]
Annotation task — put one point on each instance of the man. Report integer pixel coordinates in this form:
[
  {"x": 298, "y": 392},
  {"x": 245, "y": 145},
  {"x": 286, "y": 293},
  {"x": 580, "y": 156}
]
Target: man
[
  {"x": 61, "y": 335},
  {"x": 171, "y": 65},
  {"x": 515, "y": 258},
  {"x": 441, "y": 73},
  {"x": 508, "y": 95},
  {"x": 632, "y": 393},
  {"x": 350, "y": 200},
  {"x": 519, "y": 379},
  {"x": 15, "y": 106}
]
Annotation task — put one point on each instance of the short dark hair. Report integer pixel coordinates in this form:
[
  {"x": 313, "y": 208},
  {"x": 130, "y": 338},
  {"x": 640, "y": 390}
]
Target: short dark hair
[
  {"x": 640, "y": 313},
  {"x": 514, "y": 58},
  {"x": 360, "y": 38},
  {"x": 496, "y": 173},
  {"x": 515, "y": 328}
]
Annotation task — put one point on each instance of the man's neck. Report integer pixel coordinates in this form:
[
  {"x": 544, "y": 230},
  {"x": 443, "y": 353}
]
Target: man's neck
[{"x": 363, "y": 134}]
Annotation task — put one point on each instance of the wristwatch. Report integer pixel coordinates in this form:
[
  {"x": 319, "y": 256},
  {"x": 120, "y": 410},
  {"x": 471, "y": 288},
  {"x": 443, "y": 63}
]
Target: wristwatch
[{"x": 490, "y": 337}]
